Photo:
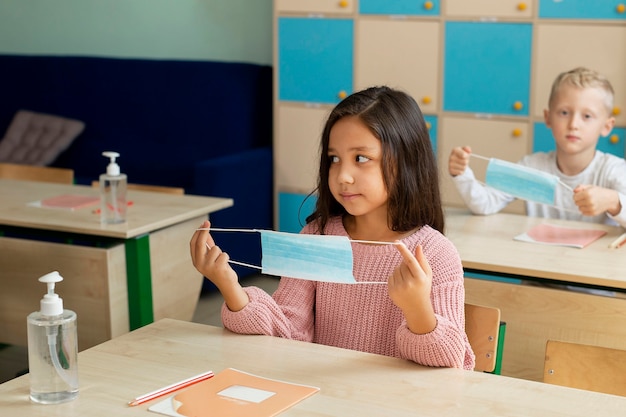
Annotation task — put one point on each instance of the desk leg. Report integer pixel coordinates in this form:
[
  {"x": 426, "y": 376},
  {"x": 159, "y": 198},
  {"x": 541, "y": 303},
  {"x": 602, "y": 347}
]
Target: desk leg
[{"x": 139, "y": 279}]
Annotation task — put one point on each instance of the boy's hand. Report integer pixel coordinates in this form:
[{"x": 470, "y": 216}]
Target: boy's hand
[
  {"x": 211, "y": 262},
  {"x": 459, "y": 160},
  {"x": 409, "y": 288},
  {"x": 592, "y": 200}
]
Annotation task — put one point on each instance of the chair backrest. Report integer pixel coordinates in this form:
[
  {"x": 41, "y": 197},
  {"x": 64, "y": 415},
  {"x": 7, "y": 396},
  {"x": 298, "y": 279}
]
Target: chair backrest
[
  {"x": 36, "y": 173},
  {"x": 145, "y": 187},
  {"x": 485, "y": 332},
  {"x": 593, "y": 368}
]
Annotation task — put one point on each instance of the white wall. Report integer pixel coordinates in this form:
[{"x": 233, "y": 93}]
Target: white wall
[{"x": 219, "y": 30}]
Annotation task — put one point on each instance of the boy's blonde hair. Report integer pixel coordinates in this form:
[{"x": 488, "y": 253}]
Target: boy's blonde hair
[{"x": 584, "y": 78}]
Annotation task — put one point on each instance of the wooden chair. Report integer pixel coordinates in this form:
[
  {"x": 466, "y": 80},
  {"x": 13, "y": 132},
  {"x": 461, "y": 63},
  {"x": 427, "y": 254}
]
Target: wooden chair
[
  {"x": 36, "y": 173},
  {"x": 593, "y": 368},
  {"x": 485, "y": 332},
  {"x": 145, "y": 187}
]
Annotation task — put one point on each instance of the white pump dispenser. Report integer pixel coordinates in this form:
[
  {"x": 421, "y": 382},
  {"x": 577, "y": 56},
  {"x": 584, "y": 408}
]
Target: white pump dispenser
[
  {"x": 51, "y": 304},
  {"x": 113, "y": 168},
  {"x": 52, "y": 348},
  {"x": 112, "y": 192}
]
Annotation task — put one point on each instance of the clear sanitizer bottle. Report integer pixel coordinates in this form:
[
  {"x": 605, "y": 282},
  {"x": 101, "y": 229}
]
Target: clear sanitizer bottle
[
  {"x": 52, "y": 348},
  {"x": 112, "y": 192}
]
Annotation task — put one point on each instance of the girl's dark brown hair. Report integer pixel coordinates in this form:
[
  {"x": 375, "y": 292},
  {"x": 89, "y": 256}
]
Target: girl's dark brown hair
[{"x": 408, "y": 164}]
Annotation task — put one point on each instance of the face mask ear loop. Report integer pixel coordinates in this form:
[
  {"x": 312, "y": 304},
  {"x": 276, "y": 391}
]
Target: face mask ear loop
[
  {"x": 217, "y": 229},
  {"x": 567, "y": 187}
]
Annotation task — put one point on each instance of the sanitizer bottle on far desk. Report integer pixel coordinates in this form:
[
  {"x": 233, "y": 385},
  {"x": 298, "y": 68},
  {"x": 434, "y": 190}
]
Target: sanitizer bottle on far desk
[
  {"x": 112, "y": 192},
  {"x": 52, "y": 348}
]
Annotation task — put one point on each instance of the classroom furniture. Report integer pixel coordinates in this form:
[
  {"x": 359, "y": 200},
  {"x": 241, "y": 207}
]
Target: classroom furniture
[
  {"x": 481, "y": 71},
  {"x": 350, "y": 382},
  {"x": 595, "y": 368},
  {"x": 486, "y": 334},
  {"x": 36, "y": 173},
  {"x": 116, "y": 277},
  {"x": 201, "y": 125},
  {"x": 504, "y": 273}
]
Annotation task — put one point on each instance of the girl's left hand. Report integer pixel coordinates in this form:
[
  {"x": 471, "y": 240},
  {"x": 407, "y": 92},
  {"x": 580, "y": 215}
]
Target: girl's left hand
[{"x": 409, "y": 288}]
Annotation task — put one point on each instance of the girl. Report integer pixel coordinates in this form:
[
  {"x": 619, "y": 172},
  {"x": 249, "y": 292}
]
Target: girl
[{"x": 377, "y": 182}]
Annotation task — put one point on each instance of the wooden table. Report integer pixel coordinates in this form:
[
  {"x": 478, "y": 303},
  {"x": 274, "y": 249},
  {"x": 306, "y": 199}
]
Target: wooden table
[
  {"x": 117, "y": 277},
  {"x": 535, "y": 314},
  {"x": 352, "y": 383}
]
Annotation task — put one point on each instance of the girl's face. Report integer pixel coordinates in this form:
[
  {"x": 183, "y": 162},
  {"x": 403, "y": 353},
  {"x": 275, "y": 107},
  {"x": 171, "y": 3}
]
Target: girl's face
[{"x": 355, "y": 177}]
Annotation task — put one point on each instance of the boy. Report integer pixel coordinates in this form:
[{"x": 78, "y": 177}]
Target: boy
[{"x": 579, "y": 112}]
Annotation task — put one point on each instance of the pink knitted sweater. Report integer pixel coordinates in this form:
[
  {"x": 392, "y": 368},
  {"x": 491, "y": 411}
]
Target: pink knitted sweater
[{"x": 362, "y": 317}]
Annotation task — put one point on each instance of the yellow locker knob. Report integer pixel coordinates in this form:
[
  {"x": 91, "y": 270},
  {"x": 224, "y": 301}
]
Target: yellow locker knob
[
  {"x": 621, "y": 8},
  {"x": 426, "y": 100},
  {"x": 428, "y": 125},
  {"x": 518, "y": 105},
  {"x": 343, "y": 3},
  {"x": 517, "y": 132},
  {"x": 614, "y": 139},
  {"x": 428, "y": 5},
  {"x": 616, "y": 111},
  {"x": 521, "y": 6},
  {"x": 342, "y": 94}
]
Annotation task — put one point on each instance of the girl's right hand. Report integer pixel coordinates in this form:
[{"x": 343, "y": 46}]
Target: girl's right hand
[
  {"x": 211, "y": 262},
  {"x": 459, "y": 160}
]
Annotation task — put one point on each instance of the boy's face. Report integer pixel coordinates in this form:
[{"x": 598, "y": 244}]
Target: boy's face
[{"x": 578, "y": 117}]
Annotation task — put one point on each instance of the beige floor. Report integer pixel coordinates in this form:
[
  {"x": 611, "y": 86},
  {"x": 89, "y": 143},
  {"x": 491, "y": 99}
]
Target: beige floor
[{"x": 14, "y": 359}]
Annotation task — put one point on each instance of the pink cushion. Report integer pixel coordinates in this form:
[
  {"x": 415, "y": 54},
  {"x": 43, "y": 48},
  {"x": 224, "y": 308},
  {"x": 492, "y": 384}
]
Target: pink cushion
[{"x": 37, "y": 138}]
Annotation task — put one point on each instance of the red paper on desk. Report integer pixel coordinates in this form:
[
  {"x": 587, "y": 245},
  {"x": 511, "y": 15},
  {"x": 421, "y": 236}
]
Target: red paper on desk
[
  {"x": 234, "y": 393},
  {"x": 70, "y": 201},
  {"x": 561, "y": 236}
]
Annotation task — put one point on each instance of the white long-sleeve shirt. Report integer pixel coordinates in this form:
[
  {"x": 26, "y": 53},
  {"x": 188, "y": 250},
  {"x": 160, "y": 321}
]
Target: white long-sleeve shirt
[{"x": 605, "y": 170}]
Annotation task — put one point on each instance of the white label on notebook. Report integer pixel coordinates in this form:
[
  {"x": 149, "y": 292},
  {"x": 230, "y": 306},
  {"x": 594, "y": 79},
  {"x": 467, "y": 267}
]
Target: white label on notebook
[{"x": 240, "y": 392}]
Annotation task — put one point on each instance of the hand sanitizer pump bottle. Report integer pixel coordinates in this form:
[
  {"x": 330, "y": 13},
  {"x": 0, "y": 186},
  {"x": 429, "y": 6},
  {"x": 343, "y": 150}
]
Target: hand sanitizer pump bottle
[
  {"x": 52, "y": 348},
  {"x": 112, "y": 192}
]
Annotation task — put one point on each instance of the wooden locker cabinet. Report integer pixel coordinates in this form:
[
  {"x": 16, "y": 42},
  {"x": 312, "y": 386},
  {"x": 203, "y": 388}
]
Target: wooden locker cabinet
[
  {"x": 601, "y": 46},
  {"x": 315, "y": 6},
  {"x": 489, "y": 8},
  {"x": 480, "y": 70},
  {"x": 382, "y": 43},
  {"x": 298, "y": 133}
]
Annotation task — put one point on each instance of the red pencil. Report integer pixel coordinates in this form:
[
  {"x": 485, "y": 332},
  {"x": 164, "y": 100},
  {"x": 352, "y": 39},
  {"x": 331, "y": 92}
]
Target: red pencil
[{"x": 170, "y": 388}]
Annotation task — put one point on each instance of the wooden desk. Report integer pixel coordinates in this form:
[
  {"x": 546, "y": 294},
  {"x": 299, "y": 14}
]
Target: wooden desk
[
  {"x": 117, "y": 277},
  {"x": 535, "y": 314},
  {"x": 352, "y": 383}
]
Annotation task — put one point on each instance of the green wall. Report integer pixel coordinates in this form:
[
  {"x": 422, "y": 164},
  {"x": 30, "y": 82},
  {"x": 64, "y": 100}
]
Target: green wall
[{"x": 219, "y": 30}]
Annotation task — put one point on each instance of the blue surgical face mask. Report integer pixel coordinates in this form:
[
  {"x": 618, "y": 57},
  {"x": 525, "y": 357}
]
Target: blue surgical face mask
[
  {"x": 522, "y": 182},
  {"x": 312, "y": 257}
]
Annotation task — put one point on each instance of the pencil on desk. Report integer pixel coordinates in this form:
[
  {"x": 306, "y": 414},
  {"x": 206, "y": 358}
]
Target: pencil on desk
[
  {"x": 170, "y": 388},
  {"x": 619, "y": 242}
]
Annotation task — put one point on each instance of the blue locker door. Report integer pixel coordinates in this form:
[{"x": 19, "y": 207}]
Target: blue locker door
[
  {"x": 487, "y": 67},
  {"x": 399, "y": 7},
  {"x": 293, "y": 209},
  {"x": 582, "y": 9},
  {"x": 314, "y": 59}
]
